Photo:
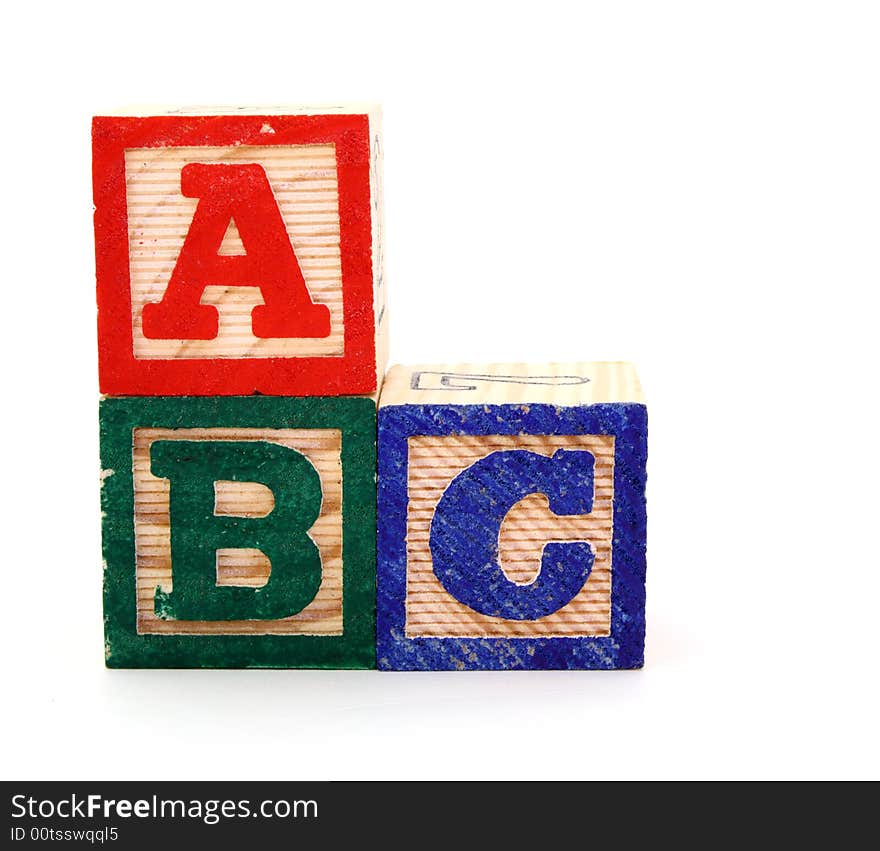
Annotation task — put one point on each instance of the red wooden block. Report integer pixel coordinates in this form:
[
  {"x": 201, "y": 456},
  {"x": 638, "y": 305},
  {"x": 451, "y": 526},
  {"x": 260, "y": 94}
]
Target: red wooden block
[{"x": 239, "y": 253}]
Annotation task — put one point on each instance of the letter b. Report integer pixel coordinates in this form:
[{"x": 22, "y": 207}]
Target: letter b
[{"x": 192, "y": 467}]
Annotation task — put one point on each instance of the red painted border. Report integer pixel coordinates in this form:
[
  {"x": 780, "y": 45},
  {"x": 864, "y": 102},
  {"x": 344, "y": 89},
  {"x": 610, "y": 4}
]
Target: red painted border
[{"x": 120, "y": 373}]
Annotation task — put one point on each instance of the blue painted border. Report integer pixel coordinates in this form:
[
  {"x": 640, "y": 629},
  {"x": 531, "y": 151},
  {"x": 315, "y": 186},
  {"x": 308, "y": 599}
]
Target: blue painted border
[{"x": 624, "y": 648}]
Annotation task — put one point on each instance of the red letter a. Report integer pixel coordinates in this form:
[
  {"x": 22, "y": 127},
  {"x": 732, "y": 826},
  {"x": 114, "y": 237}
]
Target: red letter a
[{"x": 241, "y": 192}]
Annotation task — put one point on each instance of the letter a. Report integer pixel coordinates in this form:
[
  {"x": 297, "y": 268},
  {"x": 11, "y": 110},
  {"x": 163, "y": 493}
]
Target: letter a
[{"x": 240, "y": 192}]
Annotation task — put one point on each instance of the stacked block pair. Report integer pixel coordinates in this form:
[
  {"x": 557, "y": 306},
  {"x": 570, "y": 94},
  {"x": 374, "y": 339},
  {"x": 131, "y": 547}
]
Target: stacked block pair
[
  {"x": 242, "y": 352},
  {"x": 242, "y": 341}
]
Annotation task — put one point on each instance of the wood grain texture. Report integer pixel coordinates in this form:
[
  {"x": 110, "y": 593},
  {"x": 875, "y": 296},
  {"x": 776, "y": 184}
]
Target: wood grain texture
[
  {"x": 511, "y": 383},
  {"x": 431, "y": 611},
  {"x": 377, "y": 223},
  {"x": 305, "y": 185},
  {"x": 247, "y": 567}
]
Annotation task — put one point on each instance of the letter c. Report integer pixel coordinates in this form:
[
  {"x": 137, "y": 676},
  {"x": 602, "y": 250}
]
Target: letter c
[{"x": 467, "y": 522}]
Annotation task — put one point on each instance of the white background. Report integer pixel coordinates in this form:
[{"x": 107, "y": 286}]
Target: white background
[{"x": 691, "y": 186}]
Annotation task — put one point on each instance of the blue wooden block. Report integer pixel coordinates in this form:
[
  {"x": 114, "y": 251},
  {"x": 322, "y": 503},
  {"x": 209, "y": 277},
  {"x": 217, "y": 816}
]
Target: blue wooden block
[{"x": 511, "y": 520}]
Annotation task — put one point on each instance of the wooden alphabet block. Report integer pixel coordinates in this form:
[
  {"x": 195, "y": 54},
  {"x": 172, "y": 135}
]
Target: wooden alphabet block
[
  {"x": 239, "y": 253},
  {"x": 239, "y": 531},
  {"x": 511, "y": 518}
]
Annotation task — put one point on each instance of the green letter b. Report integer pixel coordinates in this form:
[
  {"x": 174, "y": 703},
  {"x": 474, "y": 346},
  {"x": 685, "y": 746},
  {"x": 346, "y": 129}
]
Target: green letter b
[{"x": 192, "y": 467}]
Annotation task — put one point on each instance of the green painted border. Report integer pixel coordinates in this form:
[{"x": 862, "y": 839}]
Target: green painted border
[{"x": 356, "y": 418}]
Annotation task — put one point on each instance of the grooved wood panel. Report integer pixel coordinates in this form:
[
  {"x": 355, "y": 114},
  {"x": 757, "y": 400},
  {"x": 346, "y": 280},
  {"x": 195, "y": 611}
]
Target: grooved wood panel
[
  {"x": 432, "y": 611},
  {"x": 377, "y": 222},
  {"x": 323, "y": 616},
  {"x": 305, "y": 184},
  {"x": 511, "y": 383}
]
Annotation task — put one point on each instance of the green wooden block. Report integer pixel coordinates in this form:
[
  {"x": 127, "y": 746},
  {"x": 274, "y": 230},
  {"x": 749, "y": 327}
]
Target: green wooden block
[{"x": 239, "y": 532}]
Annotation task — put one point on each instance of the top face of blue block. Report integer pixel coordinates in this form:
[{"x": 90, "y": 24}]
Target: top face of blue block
[
  {"x": 510, "y": 535},
  {"x": 559, "y": 384}
]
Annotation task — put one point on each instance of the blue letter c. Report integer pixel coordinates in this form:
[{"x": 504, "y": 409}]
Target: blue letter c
[{"x": 467, "y": 522}]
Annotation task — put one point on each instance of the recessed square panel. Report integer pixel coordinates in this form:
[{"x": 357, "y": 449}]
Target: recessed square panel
[
  {"x": 304, "y": 183},
  {"x": 238, "y": 566},
  {"x": 433, "y": 463}
]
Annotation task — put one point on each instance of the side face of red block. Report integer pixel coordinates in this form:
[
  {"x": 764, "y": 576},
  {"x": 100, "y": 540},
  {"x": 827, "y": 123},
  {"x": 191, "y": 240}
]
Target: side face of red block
[{"x": 238, "y": 254}]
